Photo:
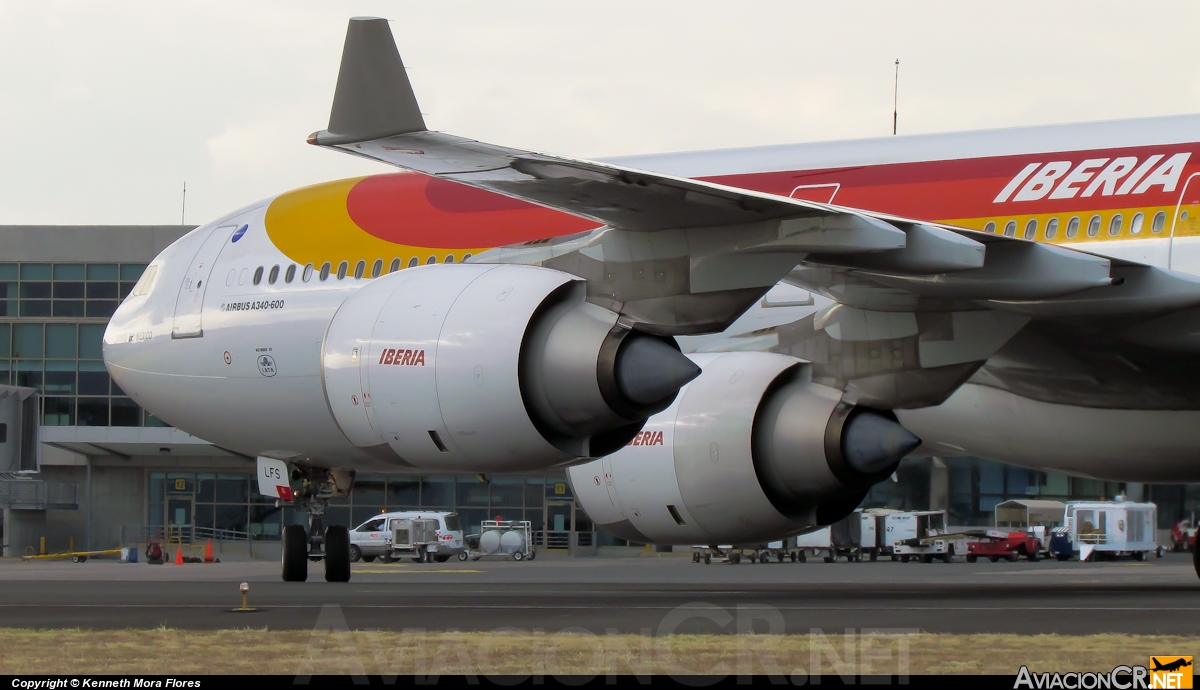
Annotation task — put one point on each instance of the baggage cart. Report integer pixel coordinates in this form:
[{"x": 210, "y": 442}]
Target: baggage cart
[
  {"x": 506, "y": 539},
  {"x": 415, "y": 537},
  {"x": 918, "y": 534}
]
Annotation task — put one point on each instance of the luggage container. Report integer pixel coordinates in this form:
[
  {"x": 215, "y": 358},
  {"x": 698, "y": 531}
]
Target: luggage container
[
  {"x": 415, "y": 537},
  {"x": 1109, "y": 529}
]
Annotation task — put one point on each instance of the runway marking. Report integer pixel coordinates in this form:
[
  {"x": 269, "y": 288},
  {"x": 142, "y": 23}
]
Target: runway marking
[
  {"x": 515, "y": 607},
  {"x": 414, "y": 572}
]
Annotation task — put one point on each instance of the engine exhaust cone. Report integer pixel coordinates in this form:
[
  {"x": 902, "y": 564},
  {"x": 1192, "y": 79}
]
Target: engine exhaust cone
[
  {"x": 648, "y": 370},
  {"x": 872, "y": 442}
]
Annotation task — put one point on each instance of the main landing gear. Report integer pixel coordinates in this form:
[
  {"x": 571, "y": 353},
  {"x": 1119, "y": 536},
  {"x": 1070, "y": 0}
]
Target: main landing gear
[{"x": 318, "y": 543}]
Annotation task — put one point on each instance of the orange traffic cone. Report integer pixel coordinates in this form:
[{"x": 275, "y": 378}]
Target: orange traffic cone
[
  {"x": 179, "y": 555},
  {"x": 208, "y": 554}
]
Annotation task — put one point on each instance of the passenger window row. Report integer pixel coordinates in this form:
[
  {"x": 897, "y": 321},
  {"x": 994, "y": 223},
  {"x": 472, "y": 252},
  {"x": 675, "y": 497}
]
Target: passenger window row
[
  {"x": 1115, "y": 223},
  {"x": 343, "y": 269}
]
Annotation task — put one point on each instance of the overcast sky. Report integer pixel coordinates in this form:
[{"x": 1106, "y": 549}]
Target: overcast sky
[{"x": 106, "y": 108}]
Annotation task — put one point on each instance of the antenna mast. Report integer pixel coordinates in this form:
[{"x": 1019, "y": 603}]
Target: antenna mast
[
  {"x": 183, "y": 208},
  {"x": 896, "y": 100}
]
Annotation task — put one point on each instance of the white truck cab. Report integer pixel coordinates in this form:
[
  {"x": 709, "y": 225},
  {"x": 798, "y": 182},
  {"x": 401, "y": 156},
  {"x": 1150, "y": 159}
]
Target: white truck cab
[{"x": 373, "y": 538}]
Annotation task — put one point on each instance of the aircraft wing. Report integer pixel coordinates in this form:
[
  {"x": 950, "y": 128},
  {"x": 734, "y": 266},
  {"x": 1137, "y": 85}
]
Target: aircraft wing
[{"x": 682, "y": 256}]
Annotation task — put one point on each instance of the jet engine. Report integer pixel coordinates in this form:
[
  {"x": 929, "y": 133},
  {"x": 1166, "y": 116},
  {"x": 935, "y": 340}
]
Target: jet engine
[
  {"x": 491, "y": 368},
  {"x": 750, "y": 451}
]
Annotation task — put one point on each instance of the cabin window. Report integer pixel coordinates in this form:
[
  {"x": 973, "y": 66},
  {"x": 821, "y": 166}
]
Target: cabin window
[
  {"x": 377, "y": 268},
  {"x": 413, "y": 262},
  {"x": 1051, "y": 228},
  {"x": 291, "y": 274},
  {"x": 342, "y": 269},
  {"x": 1031, "y": 229},
  {"x": 243, "y": 276},
  {"x": 325, "y": 271},
  {"x": 466, "y": 256},
  {"x": 273, "y": 275},
  {"x": 308, "y": 271},
  {"x": 1094, "y": 226},
  {"x": 395, "y": 266},
  {"x": 360, "y": 269},
  {"x": 990, "y": 227},
  {"x": 1135, "y": 225},
  {"x": 431, "y": 260},
  {"x": 231, "y": 277},
  {"x": 258, "y": 275},
  {"x": 1160, "y": 222},
  {"x": 1010, "y": 228},
  {"x": 1114, "y": 225},
  {"x": 449, "y": 259},
  {"x": 1073, "y": 226}
]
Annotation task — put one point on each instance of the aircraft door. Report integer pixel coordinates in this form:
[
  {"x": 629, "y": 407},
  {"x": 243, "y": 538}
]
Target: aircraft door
[
  {"x": 1185, "y": 229},
  {"x": 189, "y": 305}
]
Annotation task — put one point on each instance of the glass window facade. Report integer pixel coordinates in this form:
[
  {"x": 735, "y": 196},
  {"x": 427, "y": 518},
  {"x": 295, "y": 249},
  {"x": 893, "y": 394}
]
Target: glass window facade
[
  {"x": 52, "y": 320},
  {"x": 230, "y": 501}
]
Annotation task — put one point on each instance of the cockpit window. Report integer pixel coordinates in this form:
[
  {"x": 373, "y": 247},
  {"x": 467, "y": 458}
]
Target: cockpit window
[{"x": 146, "y": 283}]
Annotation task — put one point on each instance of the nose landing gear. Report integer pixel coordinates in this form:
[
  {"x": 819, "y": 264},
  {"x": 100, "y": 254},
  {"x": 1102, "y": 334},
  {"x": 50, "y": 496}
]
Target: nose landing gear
[{"x": 318, "y": 543}]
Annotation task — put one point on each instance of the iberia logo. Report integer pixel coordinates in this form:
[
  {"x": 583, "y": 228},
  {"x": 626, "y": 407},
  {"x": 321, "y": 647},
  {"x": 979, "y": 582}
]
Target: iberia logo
[
  {"x": 1170, "y": 672},
  {"x": 647, "y": 438},
  {"x": 1066, "y": 179},
  {"x": 402, "y": 358}
]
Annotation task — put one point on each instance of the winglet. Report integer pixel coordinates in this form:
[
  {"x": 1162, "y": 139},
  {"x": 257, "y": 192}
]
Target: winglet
[{"x": 374, "y": 98}]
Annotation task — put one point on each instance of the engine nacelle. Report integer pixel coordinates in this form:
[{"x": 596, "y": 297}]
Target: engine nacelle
[
  {"x": 491, "y": 368},
  {"x": 750, "y": 451}
]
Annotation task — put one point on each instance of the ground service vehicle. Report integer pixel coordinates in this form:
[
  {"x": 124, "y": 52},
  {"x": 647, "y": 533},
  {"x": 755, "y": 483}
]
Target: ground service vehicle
[
  {"x": 1001, "y": 544},
  {"x": 375, "y": 538}
]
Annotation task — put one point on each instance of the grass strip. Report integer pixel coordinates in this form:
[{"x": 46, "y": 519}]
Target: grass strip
[{"x": 172, "y": 651}]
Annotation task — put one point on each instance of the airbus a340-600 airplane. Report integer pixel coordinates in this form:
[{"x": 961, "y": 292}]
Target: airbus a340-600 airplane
[{"x": 1028, "y": 295}]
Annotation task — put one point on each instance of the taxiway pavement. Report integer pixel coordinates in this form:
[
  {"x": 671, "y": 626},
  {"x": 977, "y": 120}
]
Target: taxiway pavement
[{"x": 655, "y": 595}]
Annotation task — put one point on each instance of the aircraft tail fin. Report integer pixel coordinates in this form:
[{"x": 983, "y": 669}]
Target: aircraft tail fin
[{"x": 374, "y": 98}]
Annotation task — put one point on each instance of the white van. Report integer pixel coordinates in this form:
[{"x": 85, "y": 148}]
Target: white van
[{"x": 373, "y": 538}]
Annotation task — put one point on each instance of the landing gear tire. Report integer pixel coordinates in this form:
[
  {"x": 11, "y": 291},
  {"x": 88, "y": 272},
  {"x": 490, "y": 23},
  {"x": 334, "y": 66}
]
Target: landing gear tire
[
  {"x": 803, "y": 558},
  {"x": 355, "y": 554},
  {"x": 337, "y": 554},
  {"x": 295, "y": 553}
]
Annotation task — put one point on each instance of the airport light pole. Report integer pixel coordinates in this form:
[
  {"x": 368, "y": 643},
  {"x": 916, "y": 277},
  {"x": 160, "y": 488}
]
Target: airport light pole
[{"x": 896, "y": 99}]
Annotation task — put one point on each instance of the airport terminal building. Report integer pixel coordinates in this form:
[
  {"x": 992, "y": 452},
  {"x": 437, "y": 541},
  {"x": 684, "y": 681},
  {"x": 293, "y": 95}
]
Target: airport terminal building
[{"x": 81, "y": 464}]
